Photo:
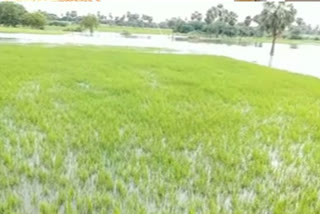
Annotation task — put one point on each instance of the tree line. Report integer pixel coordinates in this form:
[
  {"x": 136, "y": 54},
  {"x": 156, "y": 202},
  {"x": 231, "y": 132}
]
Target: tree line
[{"x": 217, "y": 21}]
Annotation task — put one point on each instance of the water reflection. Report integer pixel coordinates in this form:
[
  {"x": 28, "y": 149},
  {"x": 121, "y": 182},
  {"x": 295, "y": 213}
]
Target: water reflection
[
  {"x": 258, "y": 44},
  {"x": 294, "y": 46},
  {"x": 5, "y": 40},
  {"x": 303, "y": 59}
]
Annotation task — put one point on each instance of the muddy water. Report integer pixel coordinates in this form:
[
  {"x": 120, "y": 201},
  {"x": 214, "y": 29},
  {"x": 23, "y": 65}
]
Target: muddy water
[{"x": 303, "y": 59}]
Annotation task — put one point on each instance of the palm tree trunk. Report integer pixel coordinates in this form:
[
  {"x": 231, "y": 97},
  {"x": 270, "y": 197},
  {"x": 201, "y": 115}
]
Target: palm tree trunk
[
  {"x": 273, "y": 45},
  {"x": 272, "y": 49}
]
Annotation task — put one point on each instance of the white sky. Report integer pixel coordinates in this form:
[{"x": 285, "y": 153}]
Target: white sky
[{"x": 162, "y": 9}]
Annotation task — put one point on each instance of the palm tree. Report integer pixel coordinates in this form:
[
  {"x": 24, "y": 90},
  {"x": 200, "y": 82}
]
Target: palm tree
[
  {"x": 274, "y": 19},
  {"x": 196, "y": 16},
  {"x": 231, "y": 18},
  {"x": 211, "y": 15}
]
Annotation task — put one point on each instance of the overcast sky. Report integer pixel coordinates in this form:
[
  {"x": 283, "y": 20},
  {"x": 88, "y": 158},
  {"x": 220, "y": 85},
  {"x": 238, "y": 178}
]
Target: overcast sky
[{"x": 162, "y": 9}]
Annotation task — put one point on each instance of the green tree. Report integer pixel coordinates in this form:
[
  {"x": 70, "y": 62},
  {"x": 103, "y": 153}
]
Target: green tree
[
  {"x": 34, "y": 20},
  {"x": 89, "y": 22},
  {"x": 11, "y": 13},
  {"x": 275, "y": 18}
]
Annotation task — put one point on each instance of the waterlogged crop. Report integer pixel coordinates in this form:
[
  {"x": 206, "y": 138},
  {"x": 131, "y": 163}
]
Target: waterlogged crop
[{"x": 111, "y": 130}]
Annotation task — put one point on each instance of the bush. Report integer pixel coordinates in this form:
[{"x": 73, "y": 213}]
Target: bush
[
  {"x": 197, "y": 25},
  {"x": 73, "y": 29},
  {"x": 125, "y": 33},
  {"x": 184, "y": 28},
  {"x": 59, "y": 23},
  {"x": 295, "y": 33}
]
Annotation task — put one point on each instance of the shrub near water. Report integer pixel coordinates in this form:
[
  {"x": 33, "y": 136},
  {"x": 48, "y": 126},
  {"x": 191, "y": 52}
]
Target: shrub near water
[{"x": 108, "y": 130}]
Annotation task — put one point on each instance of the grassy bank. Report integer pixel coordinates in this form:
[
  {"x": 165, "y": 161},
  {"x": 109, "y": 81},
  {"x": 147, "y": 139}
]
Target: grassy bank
[
  {"x": 101, "y": 28},
  {"x": 243, "y": 40},
  {"x": 133, "y": 30},
  {"x": 285, "y": 41},
  {"x": 108, "y": 130},
  {"x": 20, "y": 29}
]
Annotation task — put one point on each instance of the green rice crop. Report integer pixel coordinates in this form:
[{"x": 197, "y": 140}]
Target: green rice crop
[{"x": 113, "y": 130}]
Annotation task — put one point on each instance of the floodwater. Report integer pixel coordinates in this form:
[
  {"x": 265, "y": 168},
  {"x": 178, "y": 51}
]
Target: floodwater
[{"x": 303, "y": 59}]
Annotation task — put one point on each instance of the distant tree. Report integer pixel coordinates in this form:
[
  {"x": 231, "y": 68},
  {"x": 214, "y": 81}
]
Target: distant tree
[
  {"x": 89, "y": 22},
  {"x": 147, "y": 20},
  {"x": 261, "y": 28},
  {"x": 132, "y": 16},
  {"x": 231, "y": 17},
  {"x": 173, "y": 23},
  {"x": 73, "y": 14},
  {"x": 275, "y": 18},
  {"x": 229, "y": 30},
  {"x": 300, "y": 22},
  {"x": 211, "y": 15},
  {"x": 247, "y": 21},
  {"x": 58, "y": 23},
  {"x": 110, "y": 16},
  {"x": 298, "y": 29},
  {"x": 257, "y": 19},
  {"x": 34, "y": 20},
  {"x": 219, "y": 13},
  {"x": 222, "y": 13},
  {"x": 133, "y": 19},
  {"x": 197, "y": 25},
  {"x": 295, "y": 32},
  {"x": 316, "y": 30},
  {"x": 217, "y": 28},
  {"x": 163, "y": 24},
  {"x": 11, "y": 13},
  {"x": 49, "y": 16},
  {"x": 184, "y": 28},
  {"x": 243, "y": 30},
  {"x": 196, "y": 16},
  {"x": 120, "y": 20}
]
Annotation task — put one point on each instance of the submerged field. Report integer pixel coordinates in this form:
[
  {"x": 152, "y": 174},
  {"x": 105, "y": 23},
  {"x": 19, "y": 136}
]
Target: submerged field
[{"x": 108, "y": 130}]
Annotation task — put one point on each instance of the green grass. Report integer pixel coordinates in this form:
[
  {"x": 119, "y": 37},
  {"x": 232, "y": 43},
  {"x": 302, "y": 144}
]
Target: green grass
[
  {"x": 20, "y": 29},
  {"x": 111, "y": 130}
]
